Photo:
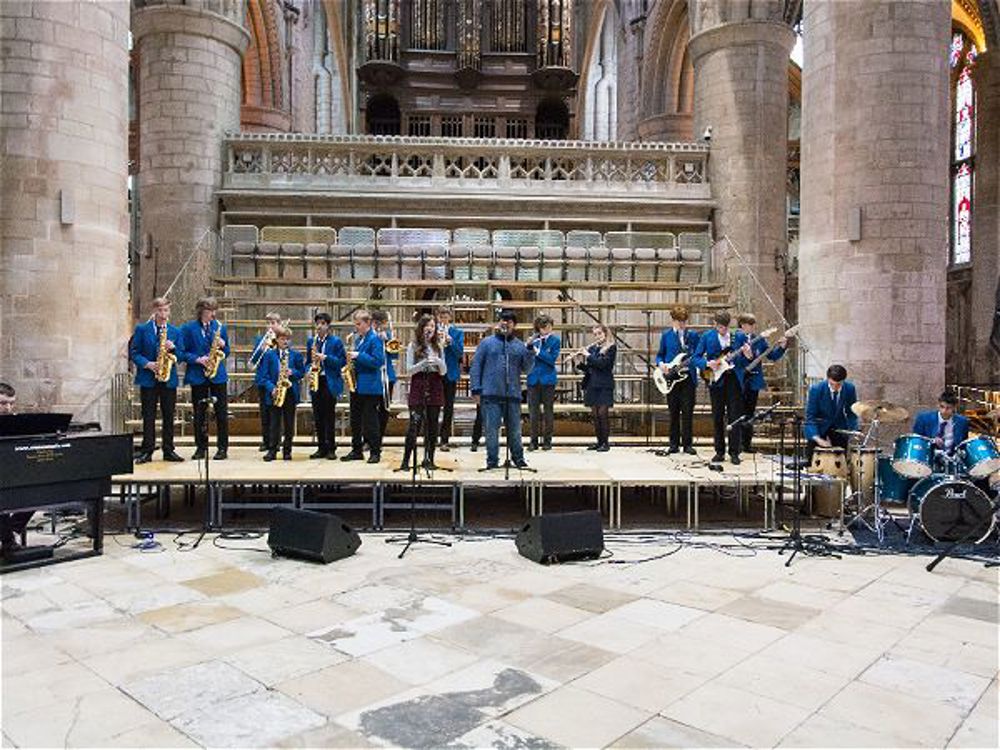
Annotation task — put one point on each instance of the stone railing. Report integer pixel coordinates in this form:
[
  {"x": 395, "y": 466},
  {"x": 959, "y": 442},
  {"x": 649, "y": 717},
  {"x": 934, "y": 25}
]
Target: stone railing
[{"x": 276, "y": 161}]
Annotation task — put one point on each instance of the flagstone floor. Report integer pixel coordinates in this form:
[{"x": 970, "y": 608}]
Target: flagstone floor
[{"x": 474, "y": 646}]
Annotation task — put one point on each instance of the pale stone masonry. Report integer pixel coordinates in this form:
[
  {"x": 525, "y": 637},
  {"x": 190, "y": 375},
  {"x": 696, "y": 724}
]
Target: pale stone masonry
[
  {"x": 189, "y": 84},
  {"x": 63, "y": 202},
  {"x": 875, "y": 139}
]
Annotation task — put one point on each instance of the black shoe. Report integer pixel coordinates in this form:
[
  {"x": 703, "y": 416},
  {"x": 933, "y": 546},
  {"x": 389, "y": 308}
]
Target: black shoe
[
  {"x": 672, "y": 449},
  {"x": 375, "y": 458},
  {"x": 445, "y": 446},
  {"x": 286, "y": 456},
  {"x": 593, "y": 447},
  {"x": 474, "y": 447},
  {"x": 490, "y": 466},
  {"x": 318, "y": 454},
  {"x": 270, "y": 456},
  {"x": 603, "y": 448},
  {"x": 199, "y": 454},
  {"x": 332, "y": 455},
  {"x": 718, "y": 458},
  {"x": 404, "y": 466},
  {"x": 532, "y": 446},
  {"x": 522, "y": 464},
  {"x": 691, "y": 451},
  {"x": 220, "y": 455},
  {"x": 142, "y": 458},
  {"x": 354, "y": 456},
  {"x": 547, "y": 445},
  {"x": 735, "y": 460},
  {"x": 262, "y": 448},
  {"x": 172, "y": 457}
]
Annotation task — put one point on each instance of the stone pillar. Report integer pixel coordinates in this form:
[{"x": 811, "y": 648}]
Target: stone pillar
[
  {"x": 189, "y": 95},
  {"x": 875, "y": 145},
  {"x": 741, "y": 92},
  {"x": 63, "y": 202}
]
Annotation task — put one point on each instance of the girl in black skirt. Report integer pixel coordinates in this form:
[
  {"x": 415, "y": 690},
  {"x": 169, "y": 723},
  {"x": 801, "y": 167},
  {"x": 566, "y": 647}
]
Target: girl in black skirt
[
  {"x": 427, "y": 368},
  {"x": 597, "y": 363}
]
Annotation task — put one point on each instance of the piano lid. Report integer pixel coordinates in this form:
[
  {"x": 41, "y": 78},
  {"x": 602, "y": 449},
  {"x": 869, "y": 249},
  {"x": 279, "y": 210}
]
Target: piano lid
[{"x": 51, "y": 459}]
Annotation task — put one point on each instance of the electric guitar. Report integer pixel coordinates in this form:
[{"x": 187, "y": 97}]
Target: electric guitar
[
  {"x": 676, "y": 372},
  {"x": 724, "y": 362},
  {"x": 760, "y": 358}
]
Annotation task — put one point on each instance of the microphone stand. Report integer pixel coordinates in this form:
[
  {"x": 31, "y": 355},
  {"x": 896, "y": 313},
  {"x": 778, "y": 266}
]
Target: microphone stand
[
  {"x": 209, "y": 404},
  {"x": 646, "y": 382}
]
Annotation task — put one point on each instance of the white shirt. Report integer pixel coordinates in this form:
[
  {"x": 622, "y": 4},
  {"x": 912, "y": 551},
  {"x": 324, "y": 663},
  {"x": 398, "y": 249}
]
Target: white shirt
[{"x": 723, "y": 340}]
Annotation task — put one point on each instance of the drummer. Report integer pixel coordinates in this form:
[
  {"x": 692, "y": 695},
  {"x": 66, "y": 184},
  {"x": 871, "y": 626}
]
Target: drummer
[
  {"x": 828, "y": 411},
  {"x": 945, "y": 427}
]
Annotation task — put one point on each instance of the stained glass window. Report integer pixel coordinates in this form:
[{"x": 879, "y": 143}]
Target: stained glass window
[{"x": 962, "y": 58}]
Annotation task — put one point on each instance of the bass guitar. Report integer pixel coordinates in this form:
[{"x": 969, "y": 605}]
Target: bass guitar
[{"x": 677, "y": 372}]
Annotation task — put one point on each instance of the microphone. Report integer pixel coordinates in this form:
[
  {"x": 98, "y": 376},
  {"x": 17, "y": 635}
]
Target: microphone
[{"x": 208, "y": 400}]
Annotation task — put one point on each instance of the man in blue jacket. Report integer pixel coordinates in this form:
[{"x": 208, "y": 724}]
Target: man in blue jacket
[
  {"x": 367, "y": 352},
  {"x": 541, "y": 382},
  {"x": 197, "y": 336},
  {"x": 679, "y": 339},
  {"x": 495, "y": 380},
  {"x": 144, "y": 347},
  {"x": 753, "y": 380},
  {"x": 828, "y": 409},
  {"x": 723, "y": 351},
  {"x": 453, "y": 340},
  {"x": 945, "y": 426},
  {"x": 282, "y": 427},
  {"x": 329, "y": 350}
]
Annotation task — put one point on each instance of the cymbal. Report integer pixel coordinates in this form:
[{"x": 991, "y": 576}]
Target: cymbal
[
  {"x": 851, "y": 433},
  {"x": 884, "y": 410}
]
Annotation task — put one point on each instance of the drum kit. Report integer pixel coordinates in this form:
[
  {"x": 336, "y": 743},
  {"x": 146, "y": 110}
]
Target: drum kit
[{"x": 948, "y": 495}]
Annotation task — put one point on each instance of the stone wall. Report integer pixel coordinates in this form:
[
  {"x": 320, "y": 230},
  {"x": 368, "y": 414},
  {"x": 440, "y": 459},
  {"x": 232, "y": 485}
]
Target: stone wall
[{"x": 63, "y": 202}]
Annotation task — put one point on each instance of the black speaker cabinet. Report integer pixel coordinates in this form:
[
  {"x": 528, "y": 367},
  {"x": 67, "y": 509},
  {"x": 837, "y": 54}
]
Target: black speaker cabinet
[
  {"x": 311, "y": 536},
  {"x": 562, "y": 536}
]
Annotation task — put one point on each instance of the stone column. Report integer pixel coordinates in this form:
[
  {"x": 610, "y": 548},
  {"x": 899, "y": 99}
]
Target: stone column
[
  {"x": 63, "y": 202},
  {"x": 874, "y": 236},
  {"x": 741, "y": 92},
  {"x": 189, "y": 95}
]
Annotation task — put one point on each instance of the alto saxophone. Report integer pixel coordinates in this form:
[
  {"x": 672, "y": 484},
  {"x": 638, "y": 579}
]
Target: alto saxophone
[
  {"x": 347, "y": 371},
  {"x": 165, "y": 359},
  {"x": 315, "y": 367},
  {"x": 215, "y": 355},
  {"x": 284, "y": 381}
]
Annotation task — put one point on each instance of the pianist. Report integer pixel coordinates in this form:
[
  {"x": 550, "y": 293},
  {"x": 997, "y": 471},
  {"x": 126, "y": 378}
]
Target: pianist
[{"x": 12, "y": 525}]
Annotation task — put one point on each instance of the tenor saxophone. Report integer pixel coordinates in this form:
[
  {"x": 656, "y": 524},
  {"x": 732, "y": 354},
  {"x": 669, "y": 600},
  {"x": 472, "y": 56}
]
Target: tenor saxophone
[
  {"x": 165, "y": 359},
  {"x": 215, "y": 355},
  {"x": 347, "y": 371},
  {"x": 284, "y": 381}
]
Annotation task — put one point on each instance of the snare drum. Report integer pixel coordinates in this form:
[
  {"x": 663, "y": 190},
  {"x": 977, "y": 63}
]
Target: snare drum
[
  {"x": 912, "y": 456},
  {"x": 980, "y": 456},
  {"x": 950, "y": 510},
  {"x": 829, "y": 461},
  {"x": 895, "y": 487},
  {"x": 863, "y": 465}
]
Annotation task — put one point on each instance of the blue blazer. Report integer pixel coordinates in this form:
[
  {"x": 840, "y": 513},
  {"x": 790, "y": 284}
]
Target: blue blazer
[
  {"x": 336, "y": 358},
  {"x": 670, "y": 347},
  {"x": 926, "y": 424},
  {"x": 754, "y": 380},
  {"x": 256, "y": 376},
  {"x": 822, "y": 415},
  {"x": 544, "y": 371},
  {"x": 709, "y": 348},
  {"x": 390, "y": 359},
  {"x": 269, "y": 368},
  {"x": 368, "y": 365},
  {"x": 197, "y": 344},
  {"x": 143, "y": 348},
  {"x": 599, "y": 368},
  {"x": 453, "y": 353}
]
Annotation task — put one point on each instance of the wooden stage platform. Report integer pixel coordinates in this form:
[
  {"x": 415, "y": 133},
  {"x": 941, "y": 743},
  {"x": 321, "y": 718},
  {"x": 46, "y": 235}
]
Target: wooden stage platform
[{"x": 245, "y": 481}]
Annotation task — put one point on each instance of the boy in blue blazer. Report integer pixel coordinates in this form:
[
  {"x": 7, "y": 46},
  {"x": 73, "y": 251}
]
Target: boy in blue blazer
[
  {"x": 261, "y": 345},
  {"x": 727, "y": 404},
  {"x": 753, "y": 381},
  {"x": 197, "y": 336},
  {"x": 453, "y": 340},
  {"x": 328, "y": 349},
  {"x": 367, "y": 352},
  {"x": 676, "y": 340},
  {"x": 144, "y": 347},
  {"x": 282, "y": 427},
  {"x": 945, "y": 426},
  {"x": 541, "y": 382},
  {"x": 828, "y": 409}
]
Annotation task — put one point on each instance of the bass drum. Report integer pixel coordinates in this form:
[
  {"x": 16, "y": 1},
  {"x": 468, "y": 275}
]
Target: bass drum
[{"x": 950, "y": 510}]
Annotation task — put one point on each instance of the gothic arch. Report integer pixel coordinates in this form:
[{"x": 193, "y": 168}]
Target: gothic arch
[
  {"x": 264, "y": 100},
  {"x": 667, "y": 76},
  {"x": 338, "y": 33},
  {"x": 598, "y": 99}
]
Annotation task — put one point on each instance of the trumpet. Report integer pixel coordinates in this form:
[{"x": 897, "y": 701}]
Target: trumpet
[{"x": 347, "y": 371}]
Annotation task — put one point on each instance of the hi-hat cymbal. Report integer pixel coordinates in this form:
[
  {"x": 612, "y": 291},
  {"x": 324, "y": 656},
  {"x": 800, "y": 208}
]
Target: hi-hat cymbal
[{"x": 885, "y": 411}]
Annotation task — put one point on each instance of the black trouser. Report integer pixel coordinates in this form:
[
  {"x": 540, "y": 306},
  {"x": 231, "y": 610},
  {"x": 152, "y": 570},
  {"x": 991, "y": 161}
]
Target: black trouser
[
  {"x": 282, "y": 427},
  {"x": 365, "y": 423},
  {"x": 680, "y": 400},
  {"x": 428, "y": 425},
  {"x": 450, "y": 387},
  {"x": 198, "y": 394},
  {"x": 602, "y": 423},
  {"x": 477, "y": 426},
  {"x": 750, "y": 396},
  {"x": 265, "y": 415},
  {"x": 541, "y": 397},
  {"x": 324, "y": 407},
  {"x": 167, "y": 399},
  {"x": 12, "y": 525},
  {"x": 726, "y": 408},
  {"x": 383, "y": 410}
]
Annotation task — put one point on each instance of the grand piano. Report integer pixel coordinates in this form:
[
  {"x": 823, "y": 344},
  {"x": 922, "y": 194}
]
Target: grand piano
[{"x": 45, "y": 471}]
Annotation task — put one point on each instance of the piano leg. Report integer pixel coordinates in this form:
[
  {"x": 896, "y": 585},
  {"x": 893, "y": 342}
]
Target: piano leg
[{"x": 97, "y": 525}]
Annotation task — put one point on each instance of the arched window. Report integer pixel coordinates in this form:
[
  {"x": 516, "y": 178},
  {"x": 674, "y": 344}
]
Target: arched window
[
  {"x": 382, "y": 116},
  {"x": 962, "y": 59}
]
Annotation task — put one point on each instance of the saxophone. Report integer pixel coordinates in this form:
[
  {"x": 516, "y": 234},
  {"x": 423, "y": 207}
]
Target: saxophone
[
  {"x": 315, "y": 367},
  {"x": 165, "y": 358},
  {"x": 284, "y": 380},
  {"x": 347, "y": 371},
  {"x": 216, "y": 354}
]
